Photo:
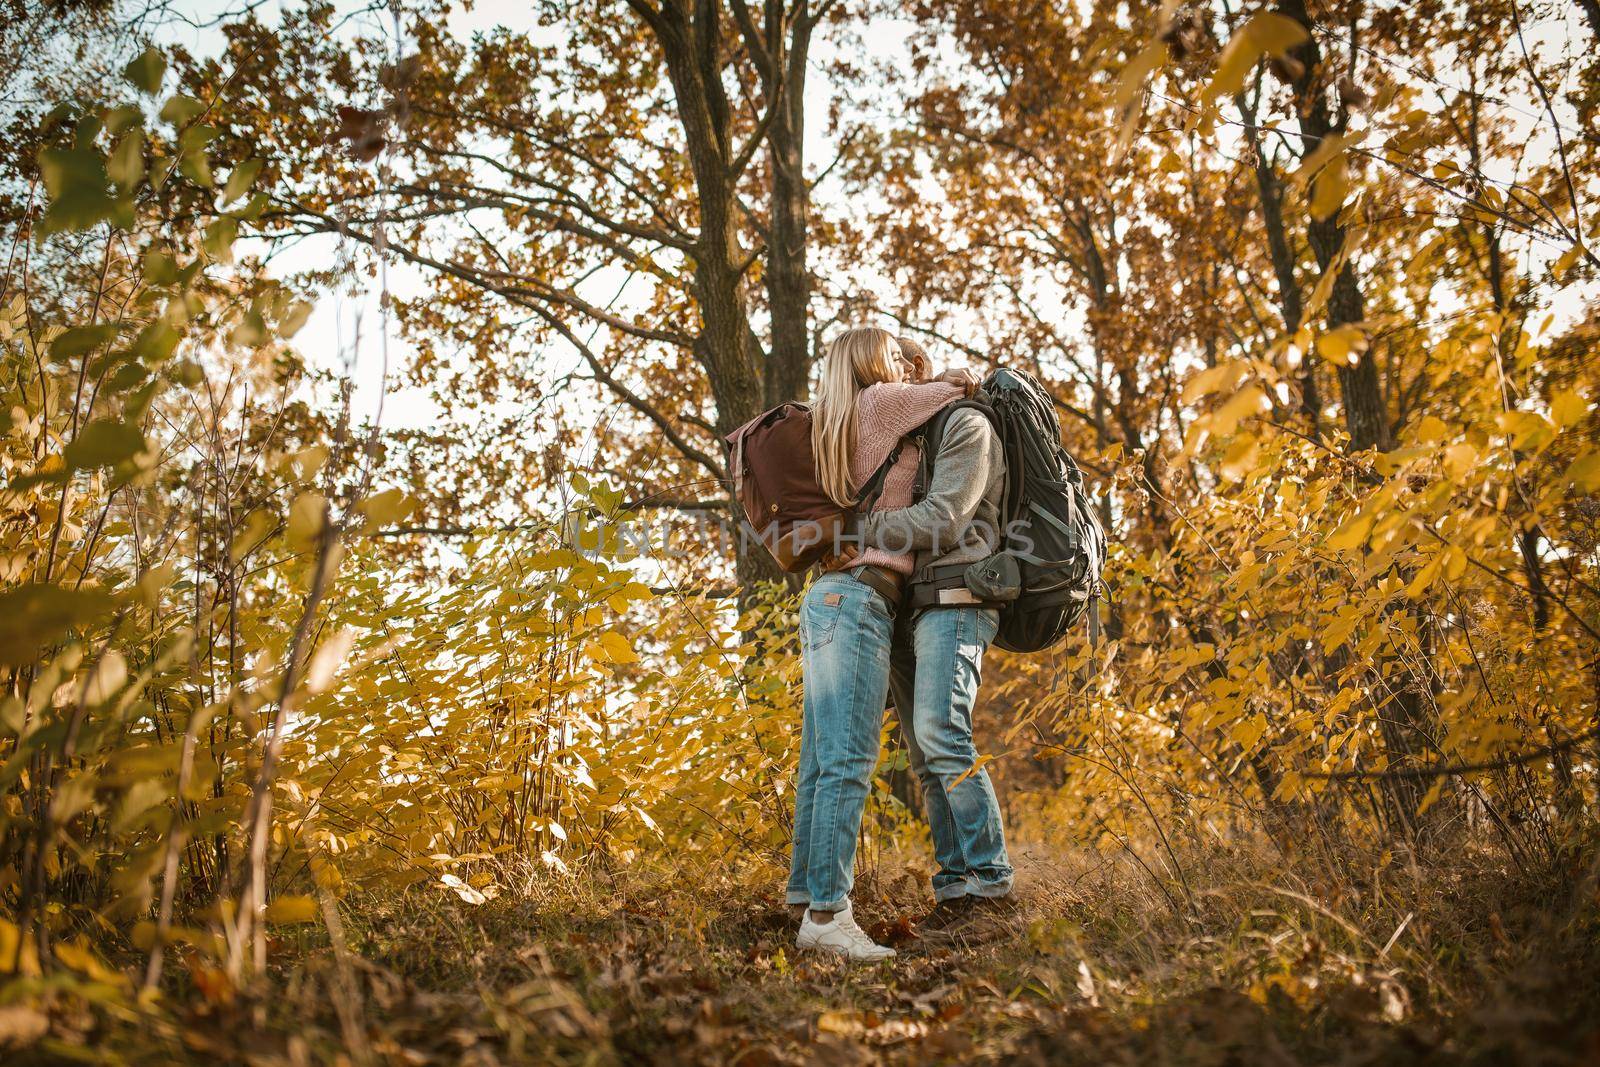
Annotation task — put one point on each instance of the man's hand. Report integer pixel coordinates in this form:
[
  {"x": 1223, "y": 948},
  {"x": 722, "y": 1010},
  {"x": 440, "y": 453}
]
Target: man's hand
[
  {"x": 967, "y": 379},
  {"x": 842, "y": 559}
]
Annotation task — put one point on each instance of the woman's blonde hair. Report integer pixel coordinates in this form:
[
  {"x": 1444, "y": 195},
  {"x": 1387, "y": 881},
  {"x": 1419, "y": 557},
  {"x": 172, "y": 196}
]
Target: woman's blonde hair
[{"x": 857, "y": 358}]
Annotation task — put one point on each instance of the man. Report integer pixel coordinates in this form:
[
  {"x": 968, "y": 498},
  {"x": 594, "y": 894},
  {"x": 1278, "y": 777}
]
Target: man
[{"x": 936, "y": 665}]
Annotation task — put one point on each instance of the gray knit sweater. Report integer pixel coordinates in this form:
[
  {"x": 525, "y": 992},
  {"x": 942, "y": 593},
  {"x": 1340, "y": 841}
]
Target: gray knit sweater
[{"x": 958, "y": 520}]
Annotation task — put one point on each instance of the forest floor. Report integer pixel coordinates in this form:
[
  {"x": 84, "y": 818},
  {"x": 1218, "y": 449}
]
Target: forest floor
[{"x": 1465, "y": 962}]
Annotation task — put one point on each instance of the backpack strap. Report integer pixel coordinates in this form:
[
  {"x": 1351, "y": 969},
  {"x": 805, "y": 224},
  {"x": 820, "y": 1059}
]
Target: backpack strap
[
  {"x": 855, "y": 523},
  {"x": 930, "y": 435},
  {"x": 873, "y": 489},
  {"x": 945, "y": 587}
]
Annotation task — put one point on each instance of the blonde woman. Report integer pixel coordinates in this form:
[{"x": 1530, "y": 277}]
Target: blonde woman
[{"x": 866, "y": 403}]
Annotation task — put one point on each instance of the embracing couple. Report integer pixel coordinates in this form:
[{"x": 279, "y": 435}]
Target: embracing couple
[{"x": 872, "y": 625}]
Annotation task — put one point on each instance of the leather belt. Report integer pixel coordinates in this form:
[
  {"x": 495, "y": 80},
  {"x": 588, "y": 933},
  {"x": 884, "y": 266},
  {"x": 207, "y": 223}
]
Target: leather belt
[{"x": 891, "y": 584}]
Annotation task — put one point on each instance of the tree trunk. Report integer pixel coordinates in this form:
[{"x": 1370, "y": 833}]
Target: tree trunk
[
  {"x": 788, "y": 285},
  {"x": 1269, "y": 187},
  {"x": 743, "y": 383},
  {"x": 1365, "y": 415},
  {"x": 1405, "y": 712}
]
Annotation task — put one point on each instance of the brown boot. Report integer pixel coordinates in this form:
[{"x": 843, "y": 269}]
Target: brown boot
[{"x": 969, "y": 920}]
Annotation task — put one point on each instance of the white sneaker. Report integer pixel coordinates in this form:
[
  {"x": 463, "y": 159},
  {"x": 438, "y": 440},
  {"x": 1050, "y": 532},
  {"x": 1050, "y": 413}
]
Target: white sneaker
[{"x": 842, "y": 935}]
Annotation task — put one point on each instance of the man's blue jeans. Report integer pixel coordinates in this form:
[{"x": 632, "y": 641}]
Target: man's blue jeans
[
  {"x": 845, "y": 633},
  {"x": 935, "y": 683}
]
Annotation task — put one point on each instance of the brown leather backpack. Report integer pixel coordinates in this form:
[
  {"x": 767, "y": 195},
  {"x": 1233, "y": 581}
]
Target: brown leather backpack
[{"x": 774, "y": 477}]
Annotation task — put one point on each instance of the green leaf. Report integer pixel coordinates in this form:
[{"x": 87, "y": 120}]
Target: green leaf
[
  {"x": 155, "y": 343},
  {"x": 126, "y": 377},
  {"x": 77, "y": 183},
  {"x": 35, "y": 615},
  {"x": 103, "y": 443},
  {"x": 252, "y": 209},
  {"x": 195, "y": 166},
  {"x": 159, "y": 268},
  {"x": 240, "y": 179},
  {"x": 57, "y": 115},
  {"x": 81, "y": 340},
  {"x": 120, "y": 118},
  {"x": 125, "y": 165},
  {"x": 146, "y": 71},
  {"x": 219, "y": 238},
  {"x": 180, "y": 109},
  {"x": 188, "y": 373},
  {"x": 196, "y": 137},
  {"x": 137, "y": 405}
]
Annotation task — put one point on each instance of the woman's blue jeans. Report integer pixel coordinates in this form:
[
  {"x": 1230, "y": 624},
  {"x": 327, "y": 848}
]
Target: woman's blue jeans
[{"x": 845, "y": 633}]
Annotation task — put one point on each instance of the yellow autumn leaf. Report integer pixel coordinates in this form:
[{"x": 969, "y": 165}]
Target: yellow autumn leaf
[
  {"x": 469, "y": 894},
  {"x": 977, "y": 765},
  {"x": 1133, "y": 76},
  {"x": 1241, "y": 457},
  {"x": 251, "y": 533},
  {"x": 1247, "y": 732},
  {"x": 1425, "y": 578},
  {"x": 1266, "y": 33},
  {"x": 1585, "y": 472},
  {"x": 387, "y": 507},
  {"x": 844, "y": 1023},
  {"x": 1351, "y": 533},
  {"x": 1221, "y": 378},
  {"x": 307, "y": 461},
  {"x": 1343, "y": 345},
  {"x": 617, "y": 648},
  {"x": 1433, "y": 795},
  {"x": 81, "y": 958},
  {"x": 107, "y": 678},
  {"x": 328, "y": 658},
  {"x": 1568, "y": 408},
  {"x": 307, "y": 515},
  {"x": 1329, "y": 188},
  {"x": 1459, "y": 459},
  {"x": 1251, "y": 400},
  {"x": 628, "y": 594},
  {"x": 1528, "y": 430},
  {"x": 1564, "y": 264},
  {"x": 292, "y": 909},
  {"x": 1431, "y": 430}
]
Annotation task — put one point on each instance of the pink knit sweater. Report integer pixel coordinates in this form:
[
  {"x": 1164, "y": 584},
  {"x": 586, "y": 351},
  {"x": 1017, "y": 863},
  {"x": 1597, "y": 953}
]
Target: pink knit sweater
[{"x": 886, "y": 412}]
